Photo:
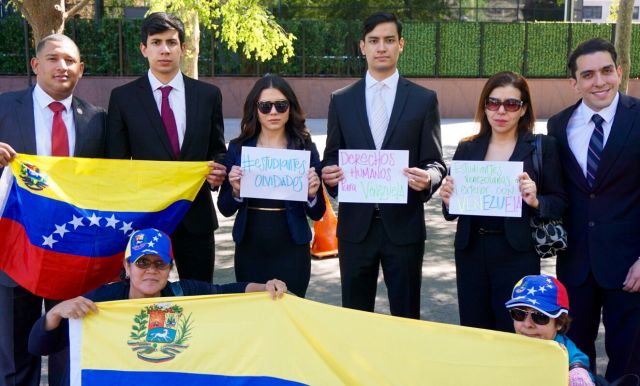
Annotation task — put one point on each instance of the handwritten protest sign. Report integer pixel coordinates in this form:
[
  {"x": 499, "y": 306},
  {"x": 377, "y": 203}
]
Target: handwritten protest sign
[
  {"x": 373, "y": 176},
  {"x": 278, "y": 174},
  {"x": 486, "y": 188}
]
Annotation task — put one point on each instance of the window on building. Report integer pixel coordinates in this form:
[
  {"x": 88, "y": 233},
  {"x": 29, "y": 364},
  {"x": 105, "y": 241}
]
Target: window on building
[
  {"x": 592, "y": 12},
  {"x": 635, "y": 13}
]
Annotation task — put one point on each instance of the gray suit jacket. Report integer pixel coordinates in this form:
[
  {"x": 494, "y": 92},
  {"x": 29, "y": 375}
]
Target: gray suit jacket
[{"x": 17, "y": 128}]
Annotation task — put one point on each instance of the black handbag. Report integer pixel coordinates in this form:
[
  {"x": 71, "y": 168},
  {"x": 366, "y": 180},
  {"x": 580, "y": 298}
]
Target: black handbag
[{"x": 549, "y": 236}]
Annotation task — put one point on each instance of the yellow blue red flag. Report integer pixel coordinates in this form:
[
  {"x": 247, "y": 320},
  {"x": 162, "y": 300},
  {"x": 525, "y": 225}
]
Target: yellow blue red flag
[
  {"x": 249, "y": 339},
  {"x": 64, "y": 222}
]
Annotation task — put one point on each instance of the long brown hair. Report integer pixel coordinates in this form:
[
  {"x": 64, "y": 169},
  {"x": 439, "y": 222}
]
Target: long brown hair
[
  {"x": 297, "y": 133},
  {"x": 503, "y": 79}
]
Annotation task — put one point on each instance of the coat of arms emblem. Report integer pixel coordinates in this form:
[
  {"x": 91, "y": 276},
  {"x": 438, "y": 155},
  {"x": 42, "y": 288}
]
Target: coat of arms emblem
[
  {"x": 30, "y": 175},
  {"x": 160, "y": 332}
]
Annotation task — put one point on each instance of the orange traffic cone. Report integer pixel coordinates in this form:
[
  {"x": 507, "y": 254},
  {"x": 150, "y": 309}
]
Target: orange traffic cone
[{"x": 325, "y": 242}]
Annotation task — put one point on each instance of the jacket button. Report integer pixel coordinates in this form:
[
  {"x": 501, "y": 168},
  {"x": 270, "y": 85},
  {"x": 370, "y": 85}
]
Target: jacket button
[
  {"x": 591, "y": 223},
  {"x": 592, "y": 195}
]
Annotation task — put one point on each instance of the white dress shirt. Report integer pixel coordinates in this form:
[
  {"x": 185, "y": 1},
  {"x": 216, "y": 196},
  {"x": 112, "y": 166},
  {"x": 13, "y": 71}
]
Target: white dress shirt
[
  {"x": 580, "y": 128},
  {"x": 43, "y": 121},
  {"x": 388, "y": 92},
  {"x": 176, "y": 100}
]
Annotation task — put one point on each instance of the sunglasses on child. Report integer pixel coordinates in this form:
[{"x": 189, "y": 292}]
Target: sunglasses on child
[
  {"x": 510, "y": 105},
  {"x": 144, "y": 263},
  {"x": 520, "y": 315},
  {"x": 265, "y": 106}
]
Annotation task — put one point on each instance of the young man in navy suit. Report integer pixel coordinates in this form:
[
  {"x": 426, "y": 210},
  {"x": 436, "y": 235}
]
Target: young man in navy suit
[
  {"x": 44, "y": 120},
  {"x": 167, "y": 116},
  {"x": 384, "y": 111},
  {"x": 599, "y": 142}
]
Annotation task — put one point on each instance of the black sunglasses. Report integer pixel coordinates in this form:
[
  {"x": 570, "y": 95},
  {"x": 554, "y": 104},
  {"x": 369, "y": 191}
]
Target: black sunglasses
[
  {"x": 520, "y": 315},
  {"x": 143, "y": 263},
  {"x": 265, "y": 106},
  {"x": 510, "y": 105}
]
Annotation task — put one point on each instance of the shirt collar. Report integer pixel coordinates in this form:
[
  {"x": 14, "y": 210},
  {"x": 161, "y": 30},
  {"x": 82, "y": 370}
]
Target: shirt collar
[
  {"x": 608, "y": 113},
  {"x": 44, "y": 100},
  {"x": 391, "y": 81},
  {"x": 177, "y": 83}
]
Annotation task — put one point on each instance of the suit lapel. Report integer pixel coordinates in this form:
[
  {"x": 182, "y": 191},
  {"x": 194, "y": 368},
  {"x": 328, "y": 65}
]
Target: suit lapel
[
  {"x": 524, "y": 148},
  {"x": 402, "y": 91},
  {"x": 190, "y": 98},
  {"x": 574, "y": 169},
  {"x": 361, "y": 113},
  {"x": 81, "y": 122},
  {"x": 151, "y": 112},
  {"x": 622, "y": 123},
  {"x": 25, "y": 122}
]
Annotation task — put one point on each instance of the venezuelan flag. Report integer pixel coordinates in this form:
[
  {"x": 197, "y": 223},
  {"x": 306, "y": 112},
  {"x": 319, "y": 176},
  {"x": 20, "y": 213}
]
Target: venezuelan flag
[
  {"x": 64, "y": 222},
  {"x": 249, "y": 339}
]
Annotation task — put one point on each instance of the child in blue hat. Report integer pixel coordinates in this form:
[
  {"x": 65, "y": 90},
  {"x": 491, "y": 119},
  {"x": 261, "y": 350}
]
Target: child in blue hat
[{"x": 539, "y": 307}]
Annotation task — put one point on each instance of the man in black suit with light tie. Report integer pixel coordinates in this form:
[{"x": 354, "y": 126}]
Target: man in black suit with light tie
[
  {"x": 599, "y": 142},
  {"x": 167, "y": 116},
  {"x": 44, "y": 120},
  {"x": 384, "y": 111}
]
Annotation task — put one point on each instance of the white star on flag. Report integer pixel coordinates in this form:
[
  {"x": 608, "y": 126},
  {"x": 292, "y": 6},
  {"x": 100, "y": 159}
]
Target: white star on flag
[
  {"x": 94, "y": 220},
  {"x": 61, "y": 230},
  {"x": 49, "y": 241},
  {"x": 126, "y": 227},
  {"x": 76, "y": 222},
  {"x": 542, "y": 289},
  {"x": 531, "y": 291},
  {"x": 111, "y": 221}
]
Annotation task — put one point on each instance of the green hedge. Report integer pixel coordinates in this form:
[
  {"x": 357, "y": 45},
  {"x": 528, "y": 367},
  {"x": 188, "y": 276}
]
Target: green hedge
[{"x": 432, "y": 49}]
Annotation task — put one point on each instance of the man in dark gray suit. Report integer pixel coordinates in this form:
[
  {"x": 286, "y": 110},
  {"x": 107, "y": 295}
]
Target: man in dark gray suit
[
  {"x": 384, "y": 111},
  {"x": 44, "y": 120}
]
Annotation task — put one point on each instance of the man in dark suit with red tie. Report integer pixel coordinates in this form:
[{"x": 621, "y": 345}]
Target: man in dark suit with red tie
[
  {"x": 167, "y": 116},
  {"x": 44, "y": 120},
  {"x": 599, "y": 142},
  {"x": 388, "y": 112}
]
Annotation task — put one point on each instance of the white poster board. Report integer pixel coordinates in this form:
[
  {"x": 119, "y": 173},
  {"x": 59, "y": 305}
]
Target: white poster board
[
  {"x": 278, "y": 174},
  {"x": 486, "y": 188},
  {"x": 373, "y": 176}
]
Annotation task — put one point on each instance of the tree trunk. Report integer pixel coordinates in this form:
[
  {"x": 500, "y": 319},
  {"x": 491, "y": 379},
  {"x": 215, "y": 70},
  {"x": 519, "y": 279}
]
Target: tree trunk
[
  {"x": 623, "y": 40},
  {"x": 192, "y": 40},
  {"x": 47, "y": 17}
]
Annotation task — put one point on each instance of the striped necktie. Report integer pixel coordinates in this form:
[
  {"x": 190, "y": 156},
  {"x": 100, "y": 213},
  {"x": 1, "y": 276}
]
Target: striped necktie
[
  {"x": 379, "y": 118},
  {"x": 596, "y": 144}
]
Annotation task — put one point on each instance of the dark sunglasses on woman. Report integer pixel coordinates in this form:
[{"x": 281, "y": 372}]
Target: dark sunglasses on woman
[
  {"x": 510, "y": 105},
  {"x": 143, "y": 263},
  {"x": 520, "y": 315},
  {"x": 265, "y": 106}
]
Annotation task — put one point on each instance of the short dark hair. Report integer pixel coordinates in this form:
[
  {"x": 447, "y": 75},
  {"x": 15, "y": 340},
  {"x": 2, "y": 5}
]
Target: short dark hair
[
  {"x": 378, "y": 18},
  {"x": 589, "y": 47},
  {"x": 564, "y": 322},
  {"x": 503, "y": 79},
  {"x": 55, "y": 38},
  {"x": 297, "y": 133},
  {"x": 159, "y": 22}
]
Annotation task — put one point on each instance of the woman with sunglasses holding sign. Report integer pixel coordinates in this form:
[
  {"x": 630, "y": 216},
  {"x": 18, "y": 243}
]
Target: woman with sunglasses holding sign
[
  {"x": 492, "y": 253},
  {"x": 539, "y": 307},
  {"x": 272, "y": 236}
]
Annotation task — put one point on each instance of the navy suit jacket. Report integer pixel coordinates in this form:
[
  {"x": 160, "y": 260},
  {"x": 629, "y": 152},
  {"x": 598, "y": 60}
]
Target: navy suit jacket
[
  {"x": 135, "y": 130},
  {"x": 17, "y": 128},
  {"x": 414, "y": 125},
  {"x": 297, "y": 211},
  {"x": 551, "y": 197},
  {"x": 603, "y": 221}
]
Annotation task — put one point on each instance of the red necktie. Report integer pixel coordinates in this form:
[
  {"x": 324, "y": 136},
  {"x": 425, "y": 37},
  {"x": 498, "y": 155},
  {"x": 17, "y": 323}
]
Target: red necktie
[
  {"x": 59, "y": 137},
  {"x": 169, "y": 121}
]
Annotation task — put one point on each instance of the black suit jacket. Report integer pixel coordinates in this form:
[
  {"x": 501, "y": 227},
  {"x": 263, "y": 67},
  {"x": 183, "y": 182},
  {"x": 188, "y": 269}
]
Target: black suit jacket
[
  {"x": 17, "y": 128},
  {"x": 551, "y": 196},
  {"x": 414, "y": 125},
  {"x": 135, "y": 130},
  {"x": 603, "y": 221}
]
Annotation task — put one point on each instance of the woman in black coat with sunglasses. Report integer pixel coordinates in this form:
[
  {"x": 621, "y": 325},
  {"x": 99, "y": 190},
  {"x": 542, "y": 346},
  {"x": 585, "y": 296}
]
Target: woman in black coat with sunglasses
[
  {"x": 492, "y": 253},
  {"x": 272, "y": 236}
]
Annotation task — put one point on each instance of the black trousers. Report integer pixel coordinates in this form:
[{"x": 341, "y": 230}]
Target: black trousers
[
  {"x": 194, "y": 254},
  {"x": 621, "y": 317},
  {"x": 19, "y": 310},
  {"x": 401, "y": 267},
  {"x": 486, "y": 272}
]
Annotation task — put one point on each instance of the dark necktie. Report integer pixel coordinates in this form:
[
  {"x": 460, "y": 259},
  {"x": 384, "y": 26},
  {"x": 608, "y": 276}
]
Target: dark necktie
[
  {"x": 59, "y": 136},
  {"x": 596, "y": 144},
  {"x": 169, "y": 121}
]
